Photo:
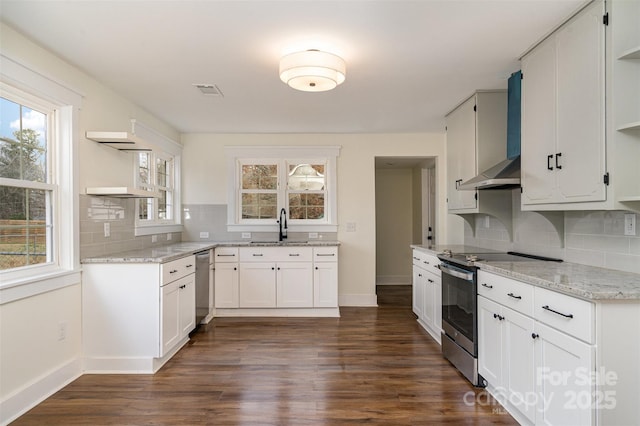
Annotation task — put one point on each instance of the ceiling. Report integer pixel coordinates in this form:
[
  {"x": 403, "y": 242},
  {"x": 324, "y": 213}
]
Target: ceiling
[{"x": 408, "y": 62}]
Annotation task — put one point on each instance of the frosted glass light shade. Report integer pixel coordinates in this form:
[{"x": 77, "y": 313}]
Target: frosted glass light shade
[{"x": 312, "y": 70}]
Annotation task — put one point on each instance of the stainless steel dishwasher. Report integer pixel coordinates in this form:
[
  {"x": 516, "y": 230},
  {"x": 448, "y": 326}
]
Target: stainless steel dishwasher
[{"x": 202, "y": 285}]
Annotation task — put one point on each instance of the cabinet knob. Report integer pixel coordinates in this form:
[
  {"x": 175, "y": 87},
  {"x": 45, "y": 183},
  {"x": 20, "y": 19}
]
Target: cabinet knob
[
  {"x": 534, "y": 335},
  {"x": 430, "y": 280},
  {"x": 235, "y": 269},
  {"x": 316, "y": 267},
  {"x": 272, "y": 268}
]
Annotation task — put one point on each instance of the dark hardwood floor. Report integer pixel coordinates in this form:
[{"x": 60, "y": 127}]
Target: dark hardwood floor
[{"x": 372, "y": 365}]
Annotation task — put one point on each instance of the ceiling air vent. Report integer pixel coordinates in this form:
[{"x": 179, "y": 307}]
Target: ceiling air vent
[{"x": 209, "y": 89}]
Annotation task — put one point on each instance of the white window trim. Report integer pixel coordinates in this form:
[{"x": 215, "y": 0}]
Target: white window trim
[
  {"x": 166, "y": 148},
  {"x": 282, "y": 154},
  {"x": 29, "y": 281}
]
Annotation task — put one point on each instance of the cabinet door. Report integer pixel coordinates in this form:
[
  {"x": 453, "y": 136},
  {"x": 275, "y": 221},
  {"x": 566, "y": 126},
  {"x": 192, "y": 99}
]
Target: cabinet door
[
  {"x": 428, "y": 307},
  {"x": 490, "y": 348},
  {"x": 226, "y": 285},
  {"x": 437, "y": 304},
  {"x": 170, "y": 317},
  {"x": 562, "y": 365},
  {"x": 325, "y": 285},
  {"x": 580, "y": 100},
  {"x": 518, "y": 367},
  {"x": 461, "y": 154},
  {"x": 187, "y": 311},
  {"x": 539, "y": 124},
  {"x": 257, "y": 285},
  {"x": 418, "y": 291},
  {"x": 294, "y": 285}
]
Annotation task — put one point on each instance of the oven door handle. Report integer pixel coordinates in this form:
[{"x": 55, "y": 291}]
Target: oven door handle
[{"x": 467, "y": 276}]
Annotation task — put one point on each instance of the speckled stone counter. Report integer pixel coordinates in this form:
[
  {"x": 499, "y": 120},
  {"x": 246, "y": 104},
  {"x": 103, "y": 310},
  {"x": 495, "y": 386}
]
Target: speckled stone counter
[
  {"x": 169, "y": 252},
  {"x": 455, "y": 248},
  {"x": 586, "y": 282}
]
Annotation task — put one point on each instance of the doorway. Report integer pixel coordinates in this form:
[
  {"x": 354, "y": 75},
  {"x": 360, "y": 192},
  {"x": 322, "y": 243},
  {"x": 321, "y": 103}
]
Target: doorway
[{"x": 405, "y": 214}]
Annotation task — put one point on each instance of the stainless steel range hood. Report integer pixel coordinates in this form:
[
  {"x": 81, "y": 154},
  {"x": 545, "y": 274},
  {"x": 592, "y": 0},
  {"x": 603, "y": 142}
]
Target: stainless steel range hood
[{"x": 504, "y": 175}]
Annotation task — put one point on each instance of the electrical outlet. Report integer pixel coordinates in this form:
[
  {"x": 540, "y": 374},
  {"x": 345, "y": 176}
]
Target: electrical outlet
[
  {"x": 107, "y": 229},
  {"x": 487, "y": 222},
  {"x": 204, "y": 234},
  {"x": 351, "y": 227},
  {"x": 246, "y": 235},
  {"x": 62, "y": 330},
  {"x": 154, "y": 238},
  {"x": 630, "y": 224},
  {"x": 313, "y": 235}
]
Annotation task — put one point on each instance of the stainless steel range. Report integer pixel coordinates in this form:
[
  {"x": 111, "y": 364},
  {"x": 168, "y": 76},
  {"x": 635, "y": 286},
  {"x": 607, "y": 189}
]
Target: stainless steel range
[{"x": 460, "y": 307}]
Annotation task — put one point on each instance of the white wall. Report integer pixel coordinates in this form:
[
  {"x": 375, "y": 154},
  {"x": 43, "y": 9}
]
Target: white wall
[
  {"x": 205, "y": 182},
  {"x": 33, "y": 361}
]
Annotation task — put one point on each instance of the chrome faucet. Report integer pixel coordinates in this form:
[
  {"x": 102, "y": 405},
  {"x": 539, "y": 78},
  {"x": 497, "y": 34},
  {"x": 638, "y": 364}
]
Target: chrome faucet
[{"x": 283, "y": 224}]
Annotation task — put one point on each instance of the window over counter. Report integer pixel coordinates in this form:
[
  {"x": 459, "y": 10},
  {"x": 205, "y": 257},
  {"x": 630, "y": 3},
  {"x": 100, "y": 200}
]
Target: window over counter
[
  {"x": 264, "y": 180},
  {"x": 157, "y": 171}
]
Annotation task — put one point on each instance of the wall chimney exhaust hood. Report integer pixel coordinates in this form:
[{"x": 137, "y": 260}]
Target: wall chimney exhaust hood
[
  {"x": 121, "y": 192},
  {"x": 505, "y": 174}
]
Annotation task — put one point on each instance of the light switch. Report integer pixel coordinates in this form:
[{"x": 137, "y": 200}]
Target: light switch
[
  {"x": 107, "y": 229},
  {"x": 204, "y": 234}
]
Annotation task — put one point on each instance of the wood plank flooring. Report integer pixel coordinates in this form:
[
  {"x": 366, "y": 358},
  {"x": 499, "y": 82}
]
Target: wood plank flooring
[{"x": 372, "y": 365}]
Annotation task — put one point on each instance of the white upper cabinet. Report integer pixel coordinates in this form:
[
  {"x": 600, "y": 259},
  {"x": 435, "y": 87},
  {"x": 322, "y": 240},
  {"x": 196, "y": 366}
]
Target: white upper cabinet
[
  {"x": 563, "y": 115},
  {"x": 461, "y": 154},
  {"x": 476, "y": 140}
]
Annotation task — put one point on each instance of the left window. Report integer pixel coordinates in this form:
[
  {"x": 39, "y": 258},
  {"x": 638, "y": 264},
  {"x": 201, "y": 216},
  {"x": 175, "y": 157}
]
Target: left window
[
  {"x": 156, "y": 172},
  {"x": 28, "y": 188}
]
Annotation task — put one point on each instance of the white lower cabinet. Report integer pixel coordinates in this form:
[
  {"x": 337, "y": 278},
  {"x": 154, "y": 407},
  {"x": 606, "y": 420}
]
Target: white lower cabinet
[
  {"x": 136, "y": 315},
  {"x": 427, "y": 292},
  {"x": 267, "y": 280},
  {"x": 325, "y": 277},
  {"x": 564, "y": 367},
  {"x": 506, "y": 354},
  {"x": 540, "y": 373},
  {"x": 177, "y": 311}
]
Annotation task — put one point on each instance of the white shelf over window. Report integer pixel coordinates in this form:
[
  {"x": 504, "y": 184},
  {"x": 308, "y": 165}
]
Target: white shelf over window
[{"x": 122, "y": 141}]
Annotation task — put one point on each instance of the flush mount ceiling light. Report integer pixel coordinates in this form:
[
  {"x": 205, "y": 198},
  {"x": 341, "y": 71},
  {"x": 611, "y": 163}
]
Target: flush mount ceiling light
[{"x": 312, "y": 70}]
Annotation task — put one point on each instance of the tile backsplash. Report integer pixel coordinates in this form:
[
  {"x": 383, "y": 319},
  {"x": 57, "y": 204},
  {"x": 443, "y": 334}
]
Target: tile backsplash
[
  {"x": 208, "y": 222},
  {"x": 587, "y": 237},
  {"x": 119, "y": 214}
]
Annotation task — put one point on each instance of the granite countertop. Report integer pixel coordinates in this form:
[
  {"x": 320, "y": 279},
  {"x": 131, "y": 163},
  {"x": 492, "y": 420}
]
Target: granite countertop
[
  {"x": 455, "y": 248},
  {"x": 586, "y": 282},
  {"x": 169, "y": 252}
]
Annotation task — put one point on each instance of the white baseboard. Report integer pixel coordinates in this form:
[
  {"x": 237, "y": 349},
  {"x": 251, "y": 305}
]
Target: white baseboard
[
  {"x": 42, "y": 388},
  {"x": 275, "y": 312},
  {"x": 393, "y": 280},
  {"x": 130, "y": 365},
  {"x": 366, "y": 300}
]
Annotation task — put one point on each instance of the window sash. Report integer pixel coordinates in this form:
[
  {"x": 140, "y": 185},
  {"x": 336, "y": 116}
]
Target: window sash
[{"x": 156, "y": 165}]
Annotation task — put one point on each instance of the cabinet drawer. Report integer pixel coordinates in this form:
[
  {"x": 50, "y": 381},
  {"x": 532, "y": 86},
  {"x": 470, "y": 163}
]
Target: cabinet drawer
[
  {"x": 176, "y": 269},
  {"x": 568, "y": 314},
  {"x": 275, "y": 254},
  {"x": 325, "y": 254},
  {"x": 514, "y": 294},
  {"x": 426, "y": 261},
  {"x": 226, "y": 254}
]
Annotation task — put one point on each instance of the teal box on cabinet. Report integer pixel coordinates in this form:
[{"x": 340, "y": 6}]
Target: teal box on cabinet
[{"x": 514, "y": 114}]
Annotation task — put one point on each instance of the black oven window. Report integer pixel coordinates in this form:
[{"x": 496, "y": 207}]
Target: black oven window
[{"x": 458, "y": 305}]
